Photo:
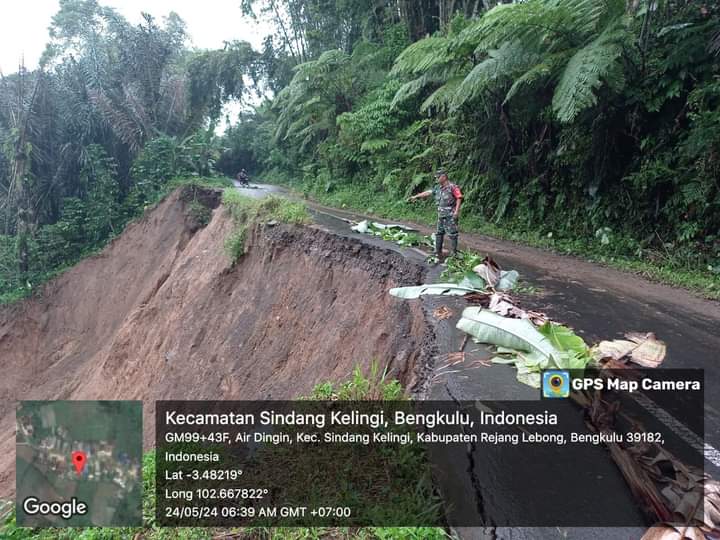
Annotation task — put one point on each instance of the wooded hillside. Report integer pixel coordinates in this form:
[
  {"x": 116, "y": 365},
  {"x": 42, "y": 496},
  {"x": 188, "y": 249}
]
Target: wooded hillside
[{"x": 587, "y": 120}]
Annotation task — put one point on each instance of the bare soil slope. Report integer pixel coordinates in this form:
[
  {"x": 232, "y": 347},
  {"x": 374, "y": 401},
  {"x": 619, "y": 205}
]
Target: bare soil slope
[{"x": 162, "y": 314}]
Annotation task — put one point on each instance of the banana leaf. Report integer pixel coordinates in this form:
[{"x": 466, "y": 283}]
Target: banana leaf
[
  {"x": 447, "y": 289},
  {"x": 487, "y": 327},
  {"x": 575, "y": 353},
  {"x": 510, "y": 360},
  {"x": 563, "y": 338},
  {"x": 528, "y": 376},
  {"x": 529, "y": 365},
  {"x": 362, "y": 227},
  {"x": 471, "y": 279}
]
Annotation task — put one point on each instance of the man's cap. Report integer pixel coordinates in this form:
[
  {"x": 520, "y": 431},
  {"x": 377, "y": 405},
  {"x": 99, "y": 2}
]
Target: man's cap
[{"x": 440, "y": 172}]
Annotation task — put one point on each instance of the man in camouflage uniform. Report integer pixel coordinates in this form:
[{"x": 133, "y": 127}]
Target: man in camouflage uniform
[{"x": 448, "y": 198}]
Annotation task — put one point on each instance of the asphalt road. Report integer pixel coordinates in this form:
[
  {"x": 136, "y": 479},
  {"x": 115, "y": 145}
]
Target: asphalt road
[{"x": 599, "y": 303}]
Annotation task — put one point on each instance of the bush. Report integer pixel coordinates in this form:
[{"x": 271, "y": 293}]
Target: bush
[
  {"x": 375, "y": 386},
  {"x": 247, "y": 212}
]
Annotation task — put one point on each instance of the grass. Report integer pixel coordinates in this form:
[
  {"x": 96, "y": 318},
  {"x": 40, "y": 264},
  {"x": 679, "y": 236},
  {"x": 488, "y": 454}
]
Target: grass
[
  {"x": 670, "y": 268},
  {"x": 248, "y": 212},
  {"x": 372, "y": 386}
]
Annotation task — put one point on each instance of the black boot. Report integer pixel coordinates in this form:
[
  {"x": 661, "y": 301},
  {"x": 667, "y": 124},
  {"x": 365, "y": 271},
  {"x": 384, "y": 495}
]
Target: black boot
[
  {"x": 439, "y": 245},
  {"x": 453, "y": 246}
]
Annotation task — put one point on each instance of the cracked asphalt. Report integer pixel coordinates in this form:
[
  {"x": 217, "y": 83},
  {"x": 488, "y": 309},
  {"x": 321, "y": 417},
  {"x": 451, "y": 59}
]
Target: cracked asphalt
[{"x": 605, "y": 308}]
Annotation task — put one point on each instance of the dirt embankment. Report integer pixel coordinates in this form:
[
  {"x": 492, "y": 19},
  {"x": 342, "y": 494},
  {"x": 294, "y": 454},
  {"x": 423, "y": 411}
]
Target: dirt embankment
[{"x": 162, "y": 314}]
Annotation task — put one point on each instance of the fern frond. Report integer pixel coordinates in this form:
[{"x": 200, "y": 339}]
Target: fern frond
[
  {"x": 549, "y": 25},
  {"x": 414, "y": 128},
  {"x": 539, "y": 74},
  {"x": 422, "y": 56},
  {"x": 443, "y": 96},
  {"x": 585, "y": 72},
  {"x": 695, "y": 192},
  {"x": 422, "y": 155},
  {"x": 312, "y": 132},
  {"x": 374, "y": 145},
  {"x": 501, "y": 66},
  {"x": 410, "y": 89},
  {"x": 326, "y": 62},
  {"x": 715, "y": 44}
]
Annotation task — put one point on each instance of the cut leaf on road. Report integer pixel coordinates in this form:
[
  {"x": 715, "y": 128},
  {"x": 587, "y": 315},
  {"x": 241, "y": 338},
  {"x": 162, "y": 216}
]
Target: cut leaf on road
[
  {"x": 489, "y": 271},
  {"x": 472, "y": 280},
  {"x": 488, "y": 327},
  {"x": 564, "y": 339},
  {"x": 504, "y": 305},
  {"x": 447, "y": 289},
  {"x": 508, "y": 280}
]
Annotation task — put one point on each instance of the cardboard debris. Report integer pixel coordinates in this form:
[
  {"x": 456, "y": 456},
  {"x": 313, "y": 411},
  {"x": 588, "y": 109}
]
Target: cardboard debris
[
  {"x": 494, "y": 277},
  {"x": 442, "y": 313},
  {"x": 641, "y": 349},
  {"x": 503, "y": 305}
]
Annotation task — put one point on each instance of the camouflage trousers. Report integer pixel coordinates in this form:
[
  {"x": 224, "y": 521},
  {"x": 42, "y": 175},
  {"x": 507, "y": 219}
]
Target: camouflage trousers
[{"x": 447, "y": 225}]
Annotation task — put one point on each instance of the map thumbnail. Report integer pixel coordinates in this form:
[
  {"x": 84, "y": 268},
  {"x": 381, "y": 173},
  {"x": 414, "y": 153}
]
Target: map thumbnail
[{"x": 79, "y": 463}]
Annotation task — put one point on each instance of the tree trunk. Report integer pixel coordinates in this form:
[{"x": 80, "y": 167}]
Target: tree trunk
[{"x": 18, "y": 177}]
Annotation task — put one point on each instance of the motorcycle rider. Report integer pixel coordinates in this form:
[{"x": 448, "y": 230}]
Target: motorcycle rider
[{"x": 243, "y": 177}]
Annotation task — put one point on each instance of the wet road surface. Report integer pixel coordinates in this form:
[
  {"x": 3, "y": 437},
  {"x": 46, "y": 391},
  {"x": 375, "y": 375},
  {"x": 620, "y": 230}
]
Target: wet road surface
[{"x": 605, "y": 308}]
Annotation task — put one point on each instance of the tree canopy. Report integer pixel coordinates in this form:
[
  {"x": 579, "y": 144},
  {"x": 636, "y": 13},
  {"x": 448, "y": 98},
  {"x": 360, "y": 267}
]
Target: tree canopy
[{"x": 556, "y": 116}]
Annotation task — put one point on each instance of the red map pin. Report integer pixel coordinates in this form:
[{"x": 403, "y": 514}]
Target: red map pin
[{"x": 79, "y": 458}]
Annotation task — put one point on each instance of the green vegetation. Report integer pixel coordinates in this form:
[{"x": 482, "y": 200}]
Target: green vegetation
[
  {"x": 660, "y": 263},
  {"x": 375, "y": 385},
  {"x": 97, "y": 134},
  {"x": 76, "y": 235},
  {"x": 582, "y": 126},
  {"x": 248, "y": 212}
]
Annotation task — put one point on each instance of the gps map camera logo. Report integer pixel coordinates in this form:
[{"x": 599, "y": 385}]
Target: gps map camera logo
[{"x": 556, "y": 384}]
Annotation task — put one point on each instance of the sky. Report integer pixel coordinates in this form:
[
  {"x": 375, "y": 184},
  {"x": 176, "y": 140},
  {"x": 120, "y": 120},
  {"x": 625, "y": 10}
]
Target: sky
[
  {"x": 24, "y": 24},
  {"x": 24, "y": 28}
]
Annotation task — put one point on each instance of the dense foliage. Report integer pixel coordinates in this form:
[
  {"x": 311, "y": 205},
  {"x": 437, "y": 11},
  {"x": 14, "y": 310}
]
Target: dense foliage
[
  {"x": 565, "y": 118},
  {"x": 591, "y": 121},
  {"x": 88, "y": 140}
]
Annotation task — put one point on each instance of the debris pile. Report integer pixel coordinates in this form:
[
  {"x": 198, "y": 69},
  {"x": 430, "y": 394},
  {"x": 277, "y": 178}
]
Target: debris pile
[
  {"x": 520, "y": 343},
  {"x": 642, "y": 349},
  {"x": 528, "y": 340},
  {"x": 667, "y": 489},
  {"x": 469, "y": 269},
  {"x": 393, "y": 232}
]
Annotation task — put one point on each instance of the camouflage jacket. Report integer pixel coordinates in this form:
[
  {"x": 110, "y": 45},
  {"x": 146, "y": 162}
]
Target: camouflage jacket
[{"x": 445, "y": 198}]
